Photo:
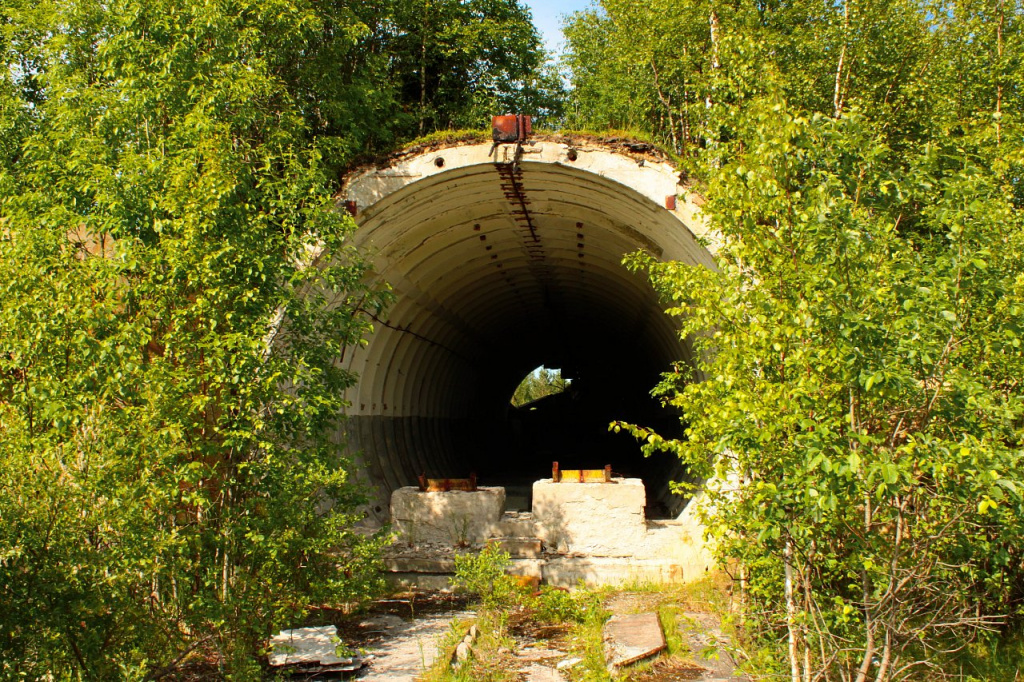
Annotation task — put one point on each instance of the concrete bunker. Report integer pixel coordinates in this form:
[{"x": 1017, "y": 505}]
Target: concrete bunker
[{"x": 502, "y": 258}]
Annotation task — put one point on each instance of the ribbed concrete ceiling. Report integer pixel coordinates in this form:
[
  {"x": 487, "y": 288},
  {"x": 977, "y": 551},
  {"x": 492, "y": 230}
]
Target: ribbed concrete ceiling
[{"x": 499, "y": 263}]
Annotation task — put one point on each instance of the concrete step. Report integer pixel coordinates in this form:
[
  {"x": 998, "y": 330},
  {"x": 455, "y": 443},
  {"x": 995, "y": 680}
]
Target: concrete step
[
  {"x": 518, "y": 547},
  {"x": 419, "y": 564},
  {"x": 516, "y": 525}
]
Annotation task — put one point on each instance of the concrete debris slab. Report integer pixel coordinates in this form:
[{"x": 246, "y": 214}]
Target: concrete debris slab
[
  {"x": 540, "y": 673},
  {"x": 632, "y": 638},
  {"x": 569, "y": 662},
  {"x": 317, "y": 646}
]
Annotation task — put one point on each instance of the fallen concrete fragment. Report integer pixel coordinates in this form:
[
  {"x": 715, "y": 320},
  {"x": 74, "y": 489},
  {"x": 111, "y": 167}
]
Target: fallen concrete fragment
[
  {"x": 632, "y": 638},
  {"x": 306, "y": 647}
]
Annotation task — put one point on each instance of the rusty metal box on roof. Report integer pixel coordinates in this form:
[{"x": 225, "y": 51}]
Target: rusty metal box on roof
[{"x": 511, "y": 128}]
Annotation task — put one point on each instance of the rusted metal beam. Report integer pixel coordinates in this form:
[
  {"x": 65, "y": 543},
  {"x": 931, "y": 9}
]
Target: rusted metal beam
[
  {"x": 581, "y": 475},
  {"x": 444, "y": 485}
]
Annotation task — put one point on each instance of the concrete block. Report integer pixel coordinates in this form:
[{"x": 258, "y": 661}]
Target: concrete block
[
  {"x": 517, "y": 525},
  {"x": 455, "y": 517},
  {"x": 527, "y": 567},
  {"x": 596, "y": 519},
  {"x": 680, "y": 540}
]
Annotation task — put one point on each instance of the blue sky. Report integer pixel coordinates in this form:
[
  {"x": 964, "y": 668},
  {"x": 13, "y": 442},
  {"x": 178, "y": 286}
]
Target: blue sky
[{"x": 547, "y": 15}]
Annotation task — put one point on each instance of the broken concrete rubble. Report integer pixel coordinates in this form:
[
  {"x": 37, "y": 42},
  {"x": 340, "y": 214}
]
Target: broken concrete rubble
[{"x": 311, "y": 649}]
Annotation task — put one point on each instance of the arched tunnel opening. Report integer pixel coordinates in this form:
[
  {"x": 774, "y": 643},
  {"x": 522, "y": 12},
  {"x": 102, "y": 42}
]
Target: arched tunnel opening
[{"x": 502, "y": 259}]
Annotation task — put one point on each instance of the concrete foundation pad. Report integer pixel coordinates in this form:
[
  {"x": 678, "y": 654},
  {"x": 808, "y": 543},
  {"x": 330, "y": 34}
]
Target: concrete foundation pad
[
  {"x": 593, "y": 533},
  {"x": 455, "y": 517},
  {"x": 435, "y": 572},
  {"x": 597, "y": 519},
  {"x": 420, "y": 564}
]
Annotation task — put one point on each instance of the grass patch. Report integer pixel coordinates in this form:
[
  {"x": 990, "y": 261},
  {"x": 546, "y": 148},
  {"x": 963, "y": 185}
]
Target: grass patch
[
  {"x": 614, "y": 135},
  {"x": 586, "y": 639},
  {"x": 510, "y": 615},
  {"x": 440, "y": 138},
  {"x": 668, "y": 615},
  {"x": 491, "y": 657}
]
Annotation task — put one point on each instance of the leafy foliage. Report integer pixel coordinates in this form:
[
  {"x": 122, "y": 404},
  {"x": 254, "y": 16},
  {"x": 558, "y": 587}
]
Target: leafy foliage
[
  {"x": 860, "y": 341},
  {"x": 458, "y": 62},
  {"x": 177, "y": 286},
  {"x": 862, "y": 390},
  {"x": 483, "y": 573},
  {"x": 676, "y": 68}
]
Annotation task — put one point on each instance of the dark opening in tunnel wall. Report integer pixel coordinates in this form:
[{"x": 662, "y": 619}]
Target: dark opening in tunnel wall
[{"x": 497, "y": 267}]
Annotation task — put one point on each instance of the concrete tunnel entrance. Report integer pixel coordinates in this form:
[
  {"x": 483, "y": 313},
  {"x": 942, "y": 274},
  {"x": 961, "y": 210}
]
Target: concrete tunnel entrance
[{"x": 503, "y": 258}]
